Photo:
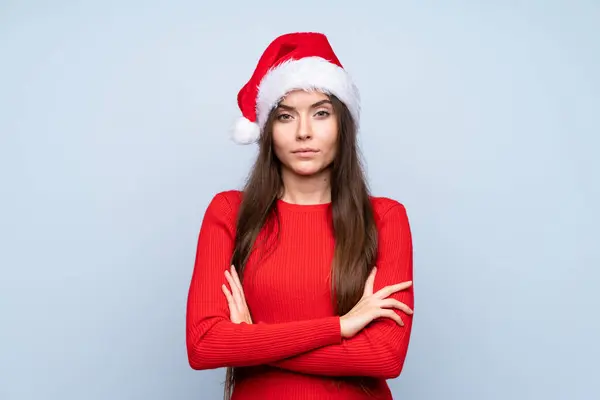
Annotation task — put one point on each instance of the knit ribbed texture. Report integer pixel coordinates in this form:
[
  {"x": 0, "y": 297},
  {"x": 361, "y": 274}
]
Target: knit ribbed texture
[{"x": 295, "y": 343}]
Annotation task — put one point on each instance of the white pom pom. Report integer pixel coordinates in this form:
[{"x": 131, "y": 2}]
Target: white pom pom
[{"x": 245, "y": 131}]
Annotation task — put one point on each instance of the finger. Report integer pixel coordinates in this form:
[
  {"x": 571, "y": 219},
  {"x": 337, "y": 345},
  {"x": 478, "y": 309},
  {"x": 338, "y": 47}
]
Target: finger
[
  {"x": 391, "y": 314},
  {"x": 229, "y": 297},
  {"x": 393, "y": 303},
  {"x": 233, "y": 286},
  {"x": 236, "y": 277},
  {"x": 234, "y": 290},
  {"x": 388, "y": 290},
  {"x": 238, "y": 283},
  {"x": 370, "y": 282}
]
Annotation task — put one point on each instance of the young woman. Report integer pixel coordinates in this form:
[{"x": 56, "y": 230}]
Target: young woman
[{"x": 302, "y": 284}]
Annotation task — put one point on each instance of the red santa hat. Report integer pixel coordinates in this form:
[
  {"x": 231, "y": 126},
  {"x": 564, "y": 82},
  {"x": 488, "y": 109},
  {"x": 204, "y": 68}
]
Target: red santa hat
[{"x": 293, "y": 61}]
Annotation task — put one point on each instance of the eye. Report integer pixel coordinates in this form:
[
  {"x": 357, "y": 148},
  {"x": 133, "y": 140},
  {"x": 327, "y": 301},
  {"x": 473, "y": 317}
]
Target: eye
[
  {"x": 323, "y": 113},
  {"x": 284, "y": 117}
]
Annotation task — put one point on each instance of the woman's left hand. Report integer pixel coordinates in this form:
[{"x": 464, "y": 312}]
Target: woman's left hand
[{"x": 238, "y": 309}]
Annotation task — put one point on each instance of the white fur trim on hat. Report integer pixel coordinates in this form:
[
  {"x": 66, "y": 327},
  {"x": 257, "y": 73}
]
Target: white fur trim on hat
[
  {"x": 245, "y": 131},
  {"x": 309, "y": 73}
]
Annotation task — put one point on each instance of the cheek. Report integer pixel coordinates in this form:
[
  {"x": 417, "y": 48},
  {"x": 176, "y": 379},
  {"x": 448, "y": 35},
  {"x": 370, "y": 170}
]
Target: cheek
[
  {"x": 329, "y": 137},
  {"x": 283, "y": 140}
]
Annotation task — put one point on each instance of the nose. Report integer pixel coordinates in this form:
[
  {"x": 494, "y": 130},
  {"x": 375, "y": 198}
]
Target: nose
[{"x": 304, "y": 130}]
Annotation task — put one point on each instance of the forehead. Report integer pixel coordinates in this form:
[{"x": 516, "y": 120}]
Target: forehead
[{"x": 297, "y": 98}]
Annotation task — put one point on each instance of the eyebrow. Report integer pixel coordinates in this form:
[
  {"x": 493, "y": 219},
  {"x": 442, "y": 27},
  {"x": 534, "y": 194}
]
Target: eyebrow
[{"x": 317, "y": 104}]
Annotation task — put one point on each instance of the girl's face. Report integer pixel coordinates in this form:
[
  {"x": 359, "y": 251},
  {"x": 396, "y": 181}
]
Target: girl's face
[{"x": 305, "y": 132}]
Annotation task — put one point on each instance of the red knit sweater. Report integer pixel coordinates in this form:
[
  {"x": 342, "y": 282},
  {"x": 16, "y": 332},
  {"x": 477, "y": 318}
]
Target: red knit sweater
[{"x": 294, "y": 345}]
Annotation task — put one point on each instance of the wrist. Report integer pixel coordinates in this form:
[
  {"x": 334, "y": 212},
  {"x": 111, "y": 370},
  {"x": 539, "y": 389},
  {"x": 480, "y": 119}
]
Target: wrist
[{"x": 341, "y": 321}]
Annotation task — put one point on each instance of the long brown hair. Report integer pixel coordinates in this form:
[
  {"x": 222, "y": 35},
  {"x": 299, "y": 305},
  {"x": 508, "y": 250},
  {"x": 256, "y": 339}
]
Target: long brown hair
[{"x": 354, "y": 227}]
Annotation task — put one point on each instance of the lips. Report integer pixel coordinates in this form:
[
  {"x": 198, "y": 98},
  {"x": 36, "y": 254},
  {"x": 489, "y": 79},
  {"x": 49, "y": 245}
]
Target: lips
[{"x": 305, "y": 153}]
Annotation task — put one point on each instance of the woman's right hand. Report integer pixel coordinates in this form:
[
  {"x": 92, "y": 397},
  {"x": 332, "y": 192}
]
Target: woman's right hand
[{"x": 374, "y": 305}]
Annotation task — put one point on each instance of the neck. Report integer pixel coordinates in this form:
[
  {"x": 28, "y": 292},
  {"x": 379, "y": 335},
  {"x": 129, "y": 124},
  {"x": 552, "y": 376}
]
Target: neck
[{"x": 306, "y": 190}]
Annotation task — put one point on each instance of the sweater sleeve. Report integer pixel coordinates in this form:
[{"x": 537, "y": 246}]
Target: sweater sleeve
[
  {"x": 212, "y": 340},
  {"x": 380, "y": 348}
]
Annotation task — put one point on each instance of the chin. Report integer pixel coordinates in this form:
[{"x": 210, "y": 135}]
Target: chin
[
  {"x": 304, "y": 171},
  {"x": 307, "y": 170}
]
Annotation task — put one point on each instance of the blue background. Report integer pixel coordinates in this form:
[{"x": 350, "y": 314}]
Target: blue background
[{"x": 481, "y": 117}]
